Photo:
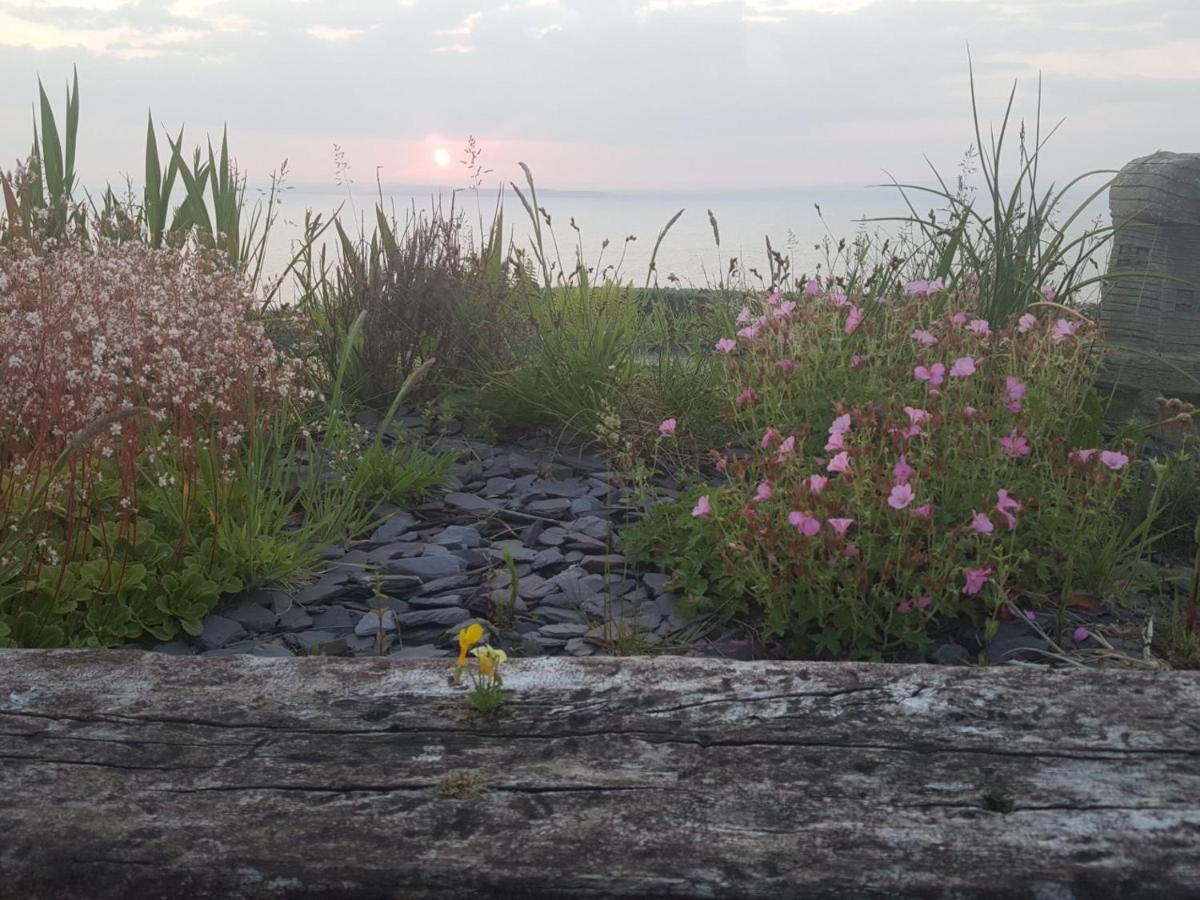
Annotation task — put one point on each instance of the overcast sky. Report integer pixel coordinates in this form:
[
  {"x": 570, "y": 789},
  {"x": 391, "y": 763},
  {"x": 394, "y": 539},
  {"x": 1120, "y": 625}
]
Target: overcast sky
[{"x": 606, "y": 94}]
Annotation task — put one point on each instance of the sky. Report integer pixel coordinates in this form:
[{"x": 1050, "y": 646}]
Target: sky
[{"x": 606, "y": 95}]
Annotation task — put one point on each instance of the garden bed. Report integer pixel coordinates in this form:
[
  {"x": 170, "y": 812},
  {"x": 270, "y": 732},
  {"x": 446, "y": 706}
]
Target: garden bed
[{"x": 136, "y": 775}]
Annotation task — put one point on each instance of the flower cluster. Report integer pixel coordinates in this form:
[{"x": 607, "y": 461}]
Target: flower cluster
[{"x": 911, "y": 464}]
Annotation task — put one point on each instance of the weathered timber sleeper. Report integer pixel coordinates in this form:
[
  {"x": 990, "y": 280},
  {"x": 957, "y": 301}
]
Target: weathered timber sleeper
[{"x": 134, "y": 775}]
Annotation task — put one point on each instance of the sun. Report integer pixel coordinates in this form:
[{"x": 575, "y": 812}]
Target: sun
[{"x": 441, "y": 157}]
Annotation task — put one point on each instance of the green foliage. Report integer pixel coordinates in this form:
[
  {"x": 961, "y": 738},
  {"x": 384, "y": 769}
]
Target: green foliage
[{"x": 397, "y": 474}]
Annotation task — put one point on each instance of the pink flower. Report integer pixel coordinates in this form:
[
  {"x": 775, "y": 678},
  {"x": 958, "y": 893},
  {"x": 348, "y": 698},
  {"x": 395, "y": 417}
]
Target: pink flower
[
  {"x": 969, "y": 412},
  {"x": 1015, "y": 445},
  {"x": 854, "y": 319},
  {"x": 916, "y": 415},
  {"x": 902, "y": 471},
  {"x": 812, "y": 286},
  {"x": 1080, "y": 634},
  {"x": 841, "y": 424},
  {"x": 963, "y": 367},
  {"x": 1006, "y": 505},
  {"x": 1028, "y": 615},
  {"x": 726, "y": 345},
  {"x": 911, "y": 431},
  {"x": 855, "y": 361},
  {"x": 1081, "y": 455},
  {"x": 750, "y": 332},
  {"x": 904, "y": 607},
  {"x": 979, "y": 327},
  {"x": 1049, "y": 292},
  {"x": 837, "y": 441},
  {"x": 851, "y": 549},
  {"x": 786, "y": 308},
  {"x": 935, "y": 374},
  {"x": 981, "y": 523},
  {"x": 774, "y": 299},
  {"x": 763, "y": 492},
  {"x": 901, "y": 496},
  {"x": 786, "y": 365},
  {"x": 816, "y": 483},
  {"x": 924, "y": 338},
  {"x": 748, "y": 396},
  {"x": 744, "y": 316},
  {"x": 922, "y": 603},
  {"x": 667, "y": 428},
  {"x": 1063, "y": 329},
  {"x": 787, "y": 448},
  {"x": 839, "y": 299},
  {"x": 924, "y": 511},
  {"x": 1014, "y": 388},
  {"x": 770, "y": 435},
  {"x": 1114, "y": 460},
  {"x": 1026, "y": 322},
  {"x": 702, "y": 508},
  {"x": 840, "y": 463},
  {"x": 976, "y": 579},
  {"x": 841, "y": 526},
  {"x": 959, "y": 319},
  {"x": 922, "y": 288},
  {"x": 804, "y": 523}
]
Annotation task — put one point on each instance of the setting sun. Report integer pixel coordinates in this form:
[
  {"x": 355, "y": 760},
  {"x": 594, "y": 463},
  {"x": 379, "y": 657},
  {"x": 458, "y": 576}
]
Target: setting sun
[{"x": 441, "y": 156}]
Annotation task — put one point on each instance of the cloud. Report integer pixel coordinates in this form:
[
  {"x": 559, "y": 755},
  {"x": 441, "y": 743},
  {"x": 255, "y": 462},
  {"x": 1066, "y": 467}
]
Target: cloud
[
  {"x": 547, "y": 31},
  {"x": 757, "y": 10},
  {"x": 1172, "y": 61},
  {"x": 463, "y": 30},
  {"x": 454, "y": 48},
  {"x": 122, "y": 41},
  {"x": 333, "y": 33}
]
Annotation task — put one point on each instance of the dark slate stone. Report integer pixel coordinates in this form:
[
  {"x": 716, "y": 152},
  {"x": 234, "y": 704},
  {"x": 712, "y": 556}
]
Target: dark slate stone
[
  {"x": 316, "y": 638},
  {"x": 551, "y": 556},
  {"x": 656, "y": 581},
  {"x": 555, "y": 508},
  {"x": 519, "y": 552},
  {"x": 328, "y": 588},
  {"x": 553, "y": 614},
  {"x": 426, "y": 568},
  {"x": 605, "y": 563},
  {"x": 219, "y": 631},
  {"x": 295, "y": 619},
  {"x": 391, "y": 530},
  {"x": 569, "y": 490},
  {"x": 369, "y": 624},
  {"x": 564, "y": 630},
  {"x": 591, "y": 526},
  {"x": 458, "y": 536},
  {"x": 497, "y": 487},
  {"x": 666, "y": 604},
  {"x": 271, "y": 650},
  {"x": 436, "y": 602},
  {"x": 447, "y": 615},
  {"x": 471, "y": 503},
  {"x": 579, "y": 647},
  {"x": 395, "y": 585},
  {"x": 552, "y": 537},
  {"x": 251, "y": 616},
  {"x": 334, "y": 617},
  {"x": 1015, "y": 641}
]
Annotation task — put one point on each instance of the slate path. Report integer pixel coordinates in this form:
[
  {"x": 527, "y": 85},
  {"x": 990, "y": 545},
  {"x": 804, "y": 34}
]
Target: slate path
[{"x": 424, "y": 574}]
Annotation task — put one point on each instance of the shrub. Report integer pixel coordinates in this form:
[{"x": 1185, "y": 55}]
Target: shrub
[{"x": 910, "y": 466}]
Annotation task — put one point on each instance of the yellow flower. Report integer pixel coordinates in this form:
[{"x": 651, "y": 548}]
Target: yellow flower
[
  {"x": 468, "y": 638},
  {"x": 489, "y": 660}
]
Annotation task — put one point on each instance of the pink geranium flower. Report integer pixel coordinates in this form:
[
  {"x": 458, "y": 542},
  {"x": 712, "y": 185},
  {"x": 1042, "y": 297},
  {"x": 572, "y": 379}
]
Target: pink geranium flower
[
  {"x": 786, "y": 308},
  {"x": 1063, "y": 329},
  {"x": 902, "y": 471},
  {"x": 744, "y": 316},
  {"x": 901, "y": 496},
  {"x": 934, "y": 374},
  {"x": 854, "y": 319},
  {"x": 787, "y": 449},
  {"x": 726, "y": 345},
  {"x": 922, "y": 603},
  {"x": 1015, "y": 445},
  {"x": 904, "y": 607},
  {"x": 916, "y": 415},
  {"x": 837, "y": 441},
  {"x": 979, "y": 327},
  {"x": 667, "y": 428},
  {"x": 816, "y": 483},
  {"x": 982, "y": 524},
  {"x": 841, "y": 526},
  {"x": 750, "y": 332},
  {"x": 840, "y": 463},
  {"x": 763, "y": 492},
  {"x": 768, "y": 437},
  {"x": 702, "y": 508},
  {"x": 774, "y": 299},
  {"x": 1014, "y": 387},
  {"x": 959, "y": 319},
  {"x": 924, "y": 511},
  {"x": 1114, "y": 460},
  {"x": 963, "y": 367},
  {"x": 924, "y": 338},
  {"x": 748, "y": 396},
  {"x": 1081, "y": 455},
  {"x": 839, "y": 298},
  {"x": 804, "y": 523},
  {"x": 841, "y": 424},
  {"x": 1026, "y": 322},
  {"x": 969, "y": 412},
  {"x": 976, "y": 579},
  {"x": 786, "y": 365},
  {"x": 855, "y": 361},
  {"x": 1080, "y": 634},
  {"x": 1049, "y": 292},
  {"x": 812, "y": 286},
  {"x": 1006, "y": 505}
]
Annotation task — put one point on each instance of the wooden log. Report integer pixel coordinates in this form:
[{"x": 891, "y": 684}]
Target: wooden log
[{"x": 131, "y": 775}]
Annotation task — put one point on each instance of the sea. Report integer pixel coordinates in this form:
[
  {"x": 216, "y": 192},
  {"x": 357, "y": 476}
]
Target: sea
[{"x": 804, "y": 225}]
